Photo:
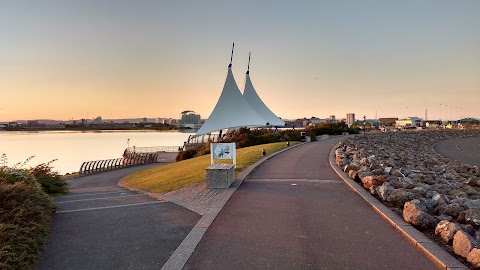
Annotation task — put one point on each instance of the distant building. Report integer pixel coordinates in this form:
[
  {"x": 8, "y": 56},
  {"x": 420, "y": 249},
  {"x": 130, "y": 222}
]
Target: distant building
[
  {"x": 332, "y": 118},
  {"x": 190, "y": 119},
  {"x": 350, "y": 118},
  {"x": 32, "y": 123},
  {"x": 13, "y": 124},
  {"x": 2, "y": 127},
  {"x": 387, "y": 121},
  {"x": 169, "y": 121},
  {"x": 98, "y": 120},
  {"x": 409, "y": 122}
]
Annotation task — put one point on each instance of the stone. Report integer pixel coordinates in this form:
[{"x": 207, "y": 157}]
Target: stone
[
  {"x": 415, "y": 213},
  {"x": 452, "y": 210},
  {"x": 471, "y": 204},
  {"x": 399, "y": 197},
  {"x": 463, "y": 243},
  {"x": 473, "y": 257},
  {"x": 446, "y": 230},
  {"x": 384, "y": 190},
  {"x": 341, "y": 162},
  {"x": 472, "y": 217},
  {"x": 469, "y": 190},
  {"x": 372, "y": 180},
  {"x": 397, "y": 173},
  {"x": 353, "y": 174}
]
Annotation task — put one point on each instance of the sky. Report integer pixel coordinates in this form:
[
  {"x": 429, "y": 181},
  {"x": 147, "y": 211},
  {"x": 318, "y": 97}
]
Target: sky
[{"x": 64, "y": 59}]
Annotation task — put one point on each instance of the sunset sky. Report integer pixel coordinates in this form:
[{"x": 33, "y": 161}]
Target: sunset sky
[{"x": 68, "y": 59}]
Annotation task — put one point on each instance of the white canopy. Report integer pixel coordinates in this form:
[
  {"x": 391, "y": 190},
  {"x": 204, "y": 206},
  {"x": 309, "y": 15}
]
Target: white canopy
[
  {"x": 232, "y": 110},
  {"x": 257, "y": 104}
]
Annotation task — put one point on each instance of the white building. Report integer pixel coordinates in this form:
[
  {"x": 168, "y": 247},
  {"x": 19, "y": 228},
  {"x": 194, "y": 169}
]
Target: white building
[
  {"x": 350, "y": 118},
  {"x": 190, "y": 119},
  {"x": 409, "y": 122}
]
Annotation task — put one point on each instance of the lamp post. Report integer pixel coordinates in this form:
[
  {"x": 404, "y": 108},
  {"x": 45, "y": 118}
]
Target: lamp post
[{"x": 364, "y": 125}]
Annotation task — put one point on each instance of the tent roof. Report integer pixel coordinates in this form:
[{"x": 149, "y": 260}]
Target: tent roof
[
  {"x": 232, "y": 110},
  {"x": 257, "y": 104}
]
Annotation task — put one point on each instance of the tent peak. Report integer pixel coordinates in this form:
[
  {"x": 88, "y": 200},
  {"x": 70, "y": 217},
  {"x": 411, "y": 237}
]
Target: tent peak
[{"x": 248, "y": 67}]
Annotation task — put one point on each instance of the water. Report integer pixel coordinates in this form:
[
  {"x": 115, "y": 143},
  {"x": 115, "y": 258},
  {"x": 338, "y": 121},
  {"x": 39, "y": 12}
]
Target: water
[{"x": 72, "y": 148}]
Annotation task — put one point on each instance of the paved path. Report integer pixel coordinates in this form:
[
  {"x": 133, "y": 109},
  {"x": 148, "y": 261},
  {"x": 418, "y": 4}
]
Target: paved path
[
  {"x": 99, "y": 225},
  {"x": 465, "y": 150},
  {"x": 293, "y": 212}
]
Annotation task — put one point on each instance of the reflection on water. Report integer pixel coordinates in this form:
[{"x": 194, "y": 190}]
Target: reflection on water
[{"x": 72, "y": 148}]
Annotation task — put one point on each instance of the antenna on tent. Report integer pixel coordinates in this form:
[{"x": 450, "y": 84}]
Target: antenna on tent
[
  {"x": 231, "y": 57},
  {"x": 248, "y": 67}
]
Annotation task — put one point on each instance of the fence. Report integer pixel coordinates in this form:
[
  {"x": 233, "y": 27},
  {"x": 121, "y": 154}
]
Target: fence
[
  {"x": 153, "y": 149},
  {"x": 131, "y": 159}
]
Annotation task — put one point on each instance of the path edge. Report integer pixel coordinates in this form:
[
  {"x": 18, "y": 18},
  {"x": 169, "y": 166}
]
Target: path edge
[
  {"x": 183, "y": 252},
  {"x": 434, "y": 252}
]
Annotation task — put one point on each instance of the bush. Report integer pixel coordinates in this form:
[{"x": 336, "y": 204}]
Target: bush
[
  {"x": 25, "y": 215},
  {"x": 50, "y": 180},
  {"x": 185, "y": 155}
]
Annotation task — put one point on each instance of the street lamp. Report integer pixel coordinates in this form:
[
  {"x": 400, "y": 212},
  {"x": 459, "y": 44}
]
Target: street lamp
[{"x": 364, "y": 124}]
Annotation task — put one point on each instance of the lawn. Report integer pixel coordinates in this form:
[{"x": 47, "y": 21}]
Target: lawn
[{"x": 191, "y": 171}]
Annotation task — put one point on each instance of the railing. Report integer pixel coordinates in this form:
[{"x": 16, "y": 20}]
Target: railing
[
  {"x": 131, "y": 159},
  {"x": 153, "y": 149}
]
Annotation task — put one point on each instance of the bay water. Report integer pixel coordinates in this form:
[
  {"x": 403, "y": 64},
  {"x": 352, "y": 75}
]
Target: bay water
[{"x": 72, "y": 148}]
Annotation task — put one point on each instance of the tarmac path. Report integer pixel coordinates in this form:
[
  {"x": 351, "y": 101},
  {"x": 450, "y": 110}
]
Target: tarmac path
[
  {"x": 294, "y": 212},
  {"x": 100, "y": 225},
  {"x": 465, "y": 150}
]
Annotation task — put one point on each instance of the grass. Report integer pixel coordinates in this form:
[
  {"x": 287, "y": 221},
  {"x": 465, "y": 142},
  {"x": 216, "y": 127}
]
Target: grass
[{"x": 191, "y": 171}]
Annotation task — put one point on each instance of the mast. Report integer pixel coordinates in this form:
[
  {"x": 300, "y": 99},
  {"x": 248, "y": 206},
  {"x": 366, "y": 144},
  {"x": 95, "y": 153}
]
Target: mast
[
  {"x": 248, "y": 67},
  {"x": 231, "y": 56}
]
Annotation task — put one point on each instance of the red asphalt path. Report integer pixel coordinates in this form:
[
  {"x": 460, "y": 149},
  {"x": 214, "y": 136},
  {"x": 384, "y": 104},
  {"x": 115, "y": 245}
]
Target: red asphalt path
[{"x": 294, "y": 212}]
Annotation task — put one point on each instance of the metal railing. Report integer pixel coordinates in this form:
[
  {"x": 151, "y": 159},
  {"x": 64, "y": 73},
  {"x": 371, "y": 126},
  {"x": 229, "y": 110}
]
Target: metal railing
[
  {"x": 153, "y": 149},
  {"x": 97, "y": 166}
]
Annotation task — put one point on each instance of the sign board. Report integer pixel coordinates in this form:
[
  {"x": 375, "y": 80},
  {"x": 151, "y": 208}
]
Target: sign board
[{"x": 223, "y": 151}]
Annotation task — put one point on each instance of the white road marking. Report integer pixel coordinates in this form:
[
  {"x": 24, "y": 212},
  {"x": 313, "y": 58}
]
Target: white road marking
[
  {"x": 99, "y": 193},
  {"x": 319, "y": 181},
  {"x": 106, "y": 207},
  {"x": 103, "y": 198}
]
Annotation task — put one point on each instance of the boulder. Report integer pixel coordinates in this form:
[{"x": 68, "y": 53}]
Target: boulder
[
  {"x": 463, "y": 243},
  {"x": 472, "y": 217},
  {"x": 415, "y": 213},
  {"x": 471, "y": 204},
  {"x": 452, "y": 210},
  {"x": 371, "y": 180},
  {"x": 473, "y": 257},
  {"x": 384, "y": 190},
  {"x": 399, "y": 197},
  {"x": 397, "y": 173},
  {"x": 446, "y": 230}
]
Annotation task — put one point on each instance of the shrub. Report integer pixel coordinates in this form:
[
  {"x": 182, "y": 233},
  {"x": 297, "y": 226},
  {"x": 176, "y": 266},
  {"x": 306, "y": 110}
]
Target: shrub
[
  {"x": 185, "y": 155},
  {"x": 25, "y": 215},
  {"x": 50, "y": 180}
]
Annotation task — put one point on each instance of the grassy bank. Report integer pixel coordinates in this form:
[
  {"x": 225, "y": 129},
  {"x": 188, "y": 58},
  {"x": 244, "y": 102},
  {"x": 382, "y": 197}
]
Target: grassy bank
[{"x": 187, "y": 172}]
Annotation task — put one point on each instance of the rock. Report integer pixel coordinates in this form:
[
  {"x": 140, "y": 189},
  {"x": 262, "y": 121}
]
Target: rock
[
  {"x": 468, "y": 229},
  {"x": 446, "y": 230},
  {"x": 351, "y": 166},
  {"x": 470, "y": 204},
  {"x": 452, "y": 210},
  {"x": 472, "y": 217},
  {"x": 397, "y": 173},
  {"x": 463, "y": 243},
  {"x": 474, "y": 182},
  {"x": 415, "y": 213},
  {"x": 384, "y": 190},
  {"x": 353, "y": 174},
  {"x": 341, "y": 162},
  {"x": 473, "y": 257},
  {"x": 443, "y": 217},
  {"x": 387, "y": 170},
  {"x": 399, "y": 197},
  {"x": 469, "y": 190},
  {"x": 372, "y": 180}
]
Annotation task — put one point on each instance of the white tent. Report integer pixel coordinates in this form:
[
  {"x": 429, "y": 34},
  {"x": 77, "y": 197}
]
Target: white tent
[
  {"x": 232, "y": 110},
  {"x": 257, "y": 104}
]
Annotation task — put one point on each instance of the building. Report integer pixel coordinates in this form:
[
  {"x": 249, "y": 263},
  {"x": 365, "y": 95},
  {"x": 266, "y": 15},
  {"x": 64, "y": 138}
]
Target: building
[
  {"x": 387, "y": 121},
  {"x": 2, "y": 127},
  {"x": 98, "y": 120},
  {"x": 169, "y": 121},
  {"x": 189, "y": 119},
  {"x": 350, "y": 118},
  {"x": 331, "y": 118},
  {"x": 409, "y": 122}
]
